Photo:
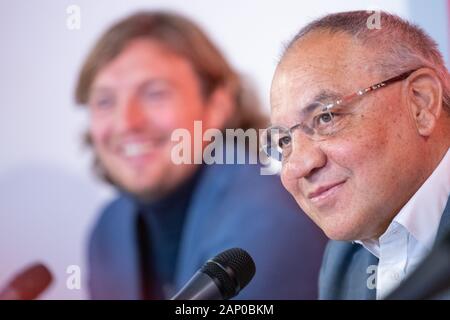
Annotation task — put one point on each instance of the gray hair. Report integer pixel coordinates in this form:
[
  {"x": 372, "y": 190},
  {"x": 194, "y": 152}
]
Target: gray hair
[{"x": 402, "y": 46}]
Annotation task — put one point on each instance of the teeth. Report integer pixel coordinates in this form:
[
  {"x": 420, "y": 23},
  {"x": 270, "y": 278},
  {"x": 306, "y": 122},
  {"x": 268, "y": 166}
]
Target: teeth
[{"x": 136, "y": 149}]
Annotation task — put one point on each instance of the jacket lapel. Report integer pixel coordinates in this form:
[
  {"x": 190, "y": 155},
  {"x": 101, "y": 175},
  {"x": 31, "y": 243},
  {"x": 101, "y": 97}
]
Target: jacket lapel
[
  {"x": 122, "y": 260},
  {"x": 444, "y": 225}
]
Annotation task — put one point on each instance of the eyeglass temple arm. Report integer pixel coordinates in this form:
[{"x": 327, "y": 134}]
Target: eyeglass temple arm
[{"x": 376, "y": 86}]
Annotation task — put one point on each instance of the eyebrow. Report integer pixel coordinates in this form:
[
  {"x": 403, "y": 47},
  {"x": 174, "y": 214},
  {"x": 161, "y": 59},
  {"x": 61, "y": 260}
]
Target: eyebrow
[
  {"x": 324, "y": 96},
  {"x": 95, "y": 91},
  {"x": 144, "y": 84},
  {"x": 318, "y": 100},
  {"x": 154, "y": 82}
]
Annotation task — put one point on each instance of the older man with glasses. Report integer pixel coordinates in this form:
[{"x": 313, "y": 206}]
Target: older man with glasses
[{"x": 361, "y": 126}]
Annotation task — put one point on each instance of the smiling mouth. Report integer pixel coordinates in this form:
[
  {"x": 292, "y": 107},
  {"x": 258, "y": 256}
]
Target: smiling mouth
[
  {"x": 132, "y": 150},
  {"x": 324, "y": 192}
]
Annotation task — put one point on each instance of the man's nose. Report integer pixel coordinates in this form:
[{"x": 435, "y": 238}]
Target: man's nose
[
  {"x": 132, "y": 115},
  {"x": 305, "y": 159}
]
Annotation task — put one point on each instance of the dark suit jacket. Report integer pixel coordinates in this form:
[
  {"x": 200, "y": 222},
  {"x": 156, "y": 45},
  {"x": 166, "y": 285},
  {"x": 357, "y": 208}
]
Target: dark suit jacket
[
  {"x": 344, "y": 273},
  {"x": 232, "y": 206}
]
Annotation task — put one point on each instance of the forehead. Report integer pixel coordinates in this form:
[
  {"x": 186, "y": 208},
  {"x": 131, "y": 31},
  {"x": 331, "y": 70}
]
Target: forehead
[
  {"x": 321, "y": 64},
  {"x": 143, "y": 59}
]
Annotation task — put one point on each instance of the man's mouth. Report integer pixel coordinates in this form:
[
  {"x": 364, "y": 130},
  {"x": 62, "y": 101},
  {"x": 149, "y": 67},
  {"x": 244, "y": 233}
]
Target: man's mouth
[
  {"x": 325, "y": 191},
  {"x": 137, "y": 149}
]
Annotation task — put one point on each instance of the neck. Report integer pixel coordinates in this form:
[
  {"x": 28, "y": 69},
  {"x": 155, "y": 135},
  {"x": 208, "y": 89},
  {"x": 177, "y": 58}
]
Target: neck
[{"x": 431, "y": 159}]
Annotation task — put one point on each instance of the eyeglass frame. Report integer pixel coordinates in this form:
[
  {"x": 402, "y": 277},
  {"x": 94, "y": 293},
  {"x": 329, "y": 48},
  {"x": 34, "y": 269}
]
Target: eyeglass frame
[{"x": 347, "y": 99}]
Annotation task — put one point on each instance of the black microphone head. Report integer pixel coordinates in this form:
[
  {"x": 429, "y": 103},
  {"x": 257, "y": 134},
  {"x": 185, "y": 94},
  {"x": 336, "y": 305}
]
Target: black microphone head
[
  {"x": 31, "y": 282},
  {"x": 232, "y": 270}
]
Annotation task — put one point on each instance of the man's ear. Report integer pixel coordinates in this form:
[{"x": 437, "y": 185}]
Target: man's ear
[
  {"x": 424, "y": 96},
  {"x": 219, "y": 109}
]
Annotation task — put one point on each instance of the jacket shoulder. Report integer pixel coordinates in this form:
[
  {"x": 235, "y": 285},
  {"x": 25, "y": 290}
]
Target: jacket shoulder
[
  {"x": 347, "y": 271},
  {"x": 255, "y": 213},
  {"x": 115, "y": 215}
]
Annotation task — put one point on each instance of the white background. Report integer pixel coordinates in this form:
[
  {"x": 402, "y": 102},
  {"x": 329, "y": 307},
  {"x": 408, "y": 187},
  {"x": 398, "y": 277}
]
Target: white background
[{"x": 48, "y": 197}]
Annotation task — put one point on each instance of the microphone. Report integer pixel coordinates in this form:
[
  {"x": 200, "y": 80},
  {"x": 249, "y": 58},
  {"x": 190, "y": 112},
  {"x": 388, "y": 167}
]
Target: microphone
[
  {"x": 220, "y": 278},
  {"x": 28, "y": 284},
  {"x": 431, "y": 278}
]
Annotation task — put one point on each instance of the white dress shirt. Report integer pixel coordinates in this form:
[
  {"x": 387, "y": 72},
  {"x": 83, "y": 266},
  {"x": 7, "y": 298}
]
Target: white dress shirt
[{"x": 411, "y": 234}]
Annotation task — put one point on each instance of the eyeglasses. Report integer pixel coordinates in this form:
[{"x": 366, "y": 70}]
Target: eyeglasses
[{"x": 320, "y": 122}]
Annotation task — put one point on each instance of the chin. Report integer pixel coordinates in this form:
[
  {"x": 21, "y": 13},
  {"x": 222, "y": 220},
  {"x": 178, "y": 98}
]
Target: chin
[
  {"x": 340, "y": 229},
  {"x": 142, "y": 191},
  {"x": 338, "y": 234},
  {"x": 134, "y": 183}
]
